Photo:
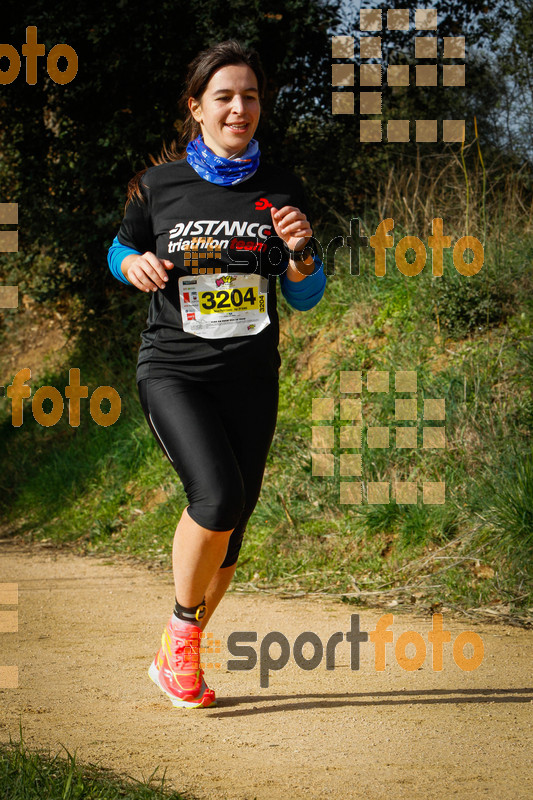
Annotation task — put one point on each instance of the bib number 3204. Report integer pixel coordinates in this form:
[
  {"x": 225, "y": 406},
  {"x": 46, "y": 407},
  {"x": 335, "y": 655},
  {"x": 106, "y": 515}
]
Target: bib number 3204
[
  {"x": 234, "y": 300},
  {"x": 221, "y": 306}
]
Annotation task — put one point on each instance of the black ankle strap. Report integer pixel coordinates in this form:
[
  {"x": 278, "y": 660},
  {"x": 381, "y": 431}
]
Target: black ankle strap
[{"x": 192, "y": 613}]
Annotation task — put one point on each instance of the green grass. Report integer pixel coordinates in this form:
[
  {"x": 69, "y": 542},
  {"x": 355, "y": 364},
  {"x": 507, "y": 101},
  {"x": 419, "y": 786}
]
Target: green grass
[
  {"x": 30, "y": 775},
  {"x": 111, "y": 489}
]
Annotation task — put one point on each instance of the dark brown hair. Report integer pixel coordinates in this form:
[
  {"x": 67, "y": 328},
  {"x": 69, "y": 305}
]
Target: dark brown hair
[{"x": 198, "y": 76}]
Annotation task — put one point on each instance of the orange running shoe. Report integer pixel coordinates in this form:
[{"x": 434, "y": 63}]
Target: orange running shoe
[{"x": 176, "y": 667}]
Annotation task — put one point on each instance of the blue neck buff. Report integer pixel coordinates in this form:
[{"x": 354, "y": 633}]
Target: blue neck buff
[{"x": 224, "y": 171}]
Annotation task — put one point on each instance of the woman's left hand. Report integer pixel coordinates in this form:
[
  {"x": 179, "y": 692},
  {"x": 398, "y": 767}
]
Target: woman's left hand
[{"x": 292, "y": 226}]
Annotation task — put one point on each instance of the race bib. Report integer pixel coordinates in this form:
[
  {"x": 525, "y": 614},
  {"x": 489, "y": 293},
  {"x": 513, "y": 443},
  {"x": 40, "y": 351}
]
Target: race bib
[{"x": 220, "y": 306}]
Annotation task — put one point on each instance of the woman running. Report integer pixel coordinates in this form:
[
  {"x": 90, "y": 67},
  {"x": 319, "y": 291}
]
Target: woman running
[{"x": 207, "y": 231}]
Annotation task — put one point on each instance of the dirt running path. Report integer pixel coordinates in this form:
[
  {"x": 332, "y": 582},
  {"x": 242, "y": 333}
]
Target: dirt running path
[{"x": 89, "y": 629}]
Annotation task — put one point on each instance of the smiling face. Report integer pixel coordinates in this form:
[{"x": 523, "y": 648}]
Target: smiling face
[{"x": 229, "y": 109}]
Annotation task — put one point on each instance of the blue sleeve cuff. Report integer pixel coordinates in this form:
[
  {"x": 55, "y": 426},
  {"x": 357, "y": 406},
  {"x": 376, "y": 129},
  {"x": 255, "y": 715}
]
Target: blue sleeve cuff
[
  {"x": 305, "y": 294},
  {"x": 115, "y": 256}
]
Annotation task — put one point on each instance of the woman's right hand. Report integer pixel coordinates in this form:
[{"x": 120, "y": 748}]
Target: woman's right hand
[{"x": 147, "y": 272}]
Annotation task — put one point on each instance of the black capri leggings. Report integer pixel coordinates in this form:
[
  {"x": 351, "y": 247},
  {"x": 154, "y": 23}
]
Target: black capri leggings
[{"x": 217, "y": 436}]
